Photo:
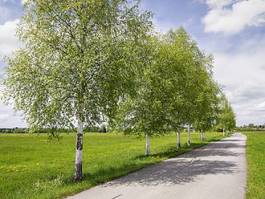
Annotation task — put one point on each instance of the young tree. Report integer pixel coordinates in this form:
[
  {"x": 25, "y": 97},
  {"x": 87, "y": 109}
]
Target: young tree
[
  {"x": 226, "y": 117},
  {"x": 194, "y": 79},
  {"x": 77, "y": 60},
  {"x": 179, "y": 55},
  {"x": 158, "y": 105},
  {"x": 206, "y": 107},
  {"x": 164, "y": 97},
  {"x": 143, "y": 112}
]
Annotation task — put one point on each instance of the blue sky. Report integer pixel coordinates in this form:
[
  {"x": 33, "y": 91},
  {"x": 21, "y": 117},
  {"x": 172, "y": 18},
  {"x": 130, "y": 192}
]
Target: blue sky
[{"x": 233, "y": 31}]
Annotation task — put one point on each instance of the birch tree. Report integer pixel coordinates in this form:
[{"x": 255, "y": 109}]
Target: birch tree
[
  {"x": 150, "y": 110},
  {"x": 178, "y": 59},
  {"x": 79, "y": 57},
  {"x": 144, "y": 112},
  {"x": 206, "y": 107},
  {"x": 161, "y": 101},
  {"x": 194, "y": 74},
  {"x": 226, "y": 117}
]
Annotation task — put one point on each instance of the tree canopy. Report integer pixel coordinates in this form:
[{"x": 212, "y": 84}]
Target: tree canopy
[
  {"x": 78, "y": 58},
  {"x": 226, "y": 117},
  {"x": 176, "y": 89},
  {"x": 86, "y": 61}
]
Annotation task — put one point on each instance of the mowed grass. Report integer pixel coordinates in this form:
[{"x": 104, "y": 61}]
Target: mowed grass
[
  {"x": 31, "y": 166},
  {"x": 256, "y": 165}
]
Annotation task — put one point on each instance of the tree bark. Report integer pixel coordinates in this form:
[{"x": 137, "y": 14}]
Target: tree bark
[
  {"x": 223, "y": 131},
  {"x": 78, "y": 155},
  {"x": 178, "y": 139},
  {"x": 188, "y": 136},
  {"x": 147, "y": 144},
  {"x": 201, "y": 136}
]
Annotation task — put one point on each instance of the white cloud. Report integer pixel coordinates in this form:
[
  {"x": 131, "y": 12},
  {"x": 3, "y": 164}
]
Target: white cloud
[
  {"x": 218, "y": 3},
  {"x": 162, "y": 27},
  {"x": 24, "y": 1},
  {"x": 8, "y": 40},
  {"x": 9, "y": 118},
  {"x": 231, "y": 17},
  {"x": 242, "y": 74},
  {"x": 8, "y": 43}
]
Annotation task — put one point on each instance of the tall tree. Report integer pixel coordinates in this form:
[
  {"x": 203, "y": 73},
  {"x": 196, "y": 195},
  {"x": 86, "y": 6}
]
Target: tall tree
[
  {"x": 179, "y": 56},
  {"x": 79, "y": 56},
  {"x": 162, "y": 99},
  {"x": 144, "y": 111},
  {"x": 206, "y": 107},
  {"x": 194, "y": 78}
]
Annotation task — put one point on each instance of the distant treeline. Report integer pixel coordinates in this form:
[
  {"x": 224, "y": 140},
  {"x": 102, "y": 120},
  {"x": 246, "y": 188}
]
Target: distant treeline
[
  {"x": 95, "y": 129},
  {"x": 251, "y": 127},
  {"x": 101, "y": 129},
  {"x": 13, "y": 130}
]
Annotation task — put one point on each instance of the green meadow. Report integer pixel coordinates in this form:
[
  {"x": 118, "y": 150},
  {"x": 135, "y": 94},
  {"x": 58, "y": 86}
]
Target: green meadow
[
  {"x": 33, "y": 166},
  {"x": 256, "y": 165}
]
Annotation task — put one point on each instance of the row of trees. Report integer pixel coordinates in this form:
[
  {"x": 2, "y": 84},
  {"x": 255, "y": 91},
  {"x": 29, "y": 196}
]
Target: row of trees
[
  {"x": 252, "y": 127},
  {"x": 85, "y": 62}
]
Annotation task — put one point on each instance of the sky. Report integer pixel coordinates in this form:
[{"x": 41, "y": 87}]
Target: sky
[{"x": 233, "y": 31}]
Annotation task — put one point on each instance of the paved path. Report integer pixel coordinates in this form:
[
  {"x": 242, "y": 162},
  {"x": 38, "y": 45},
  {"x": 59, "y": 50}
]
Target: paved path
[{"x": 216, "y": 171}]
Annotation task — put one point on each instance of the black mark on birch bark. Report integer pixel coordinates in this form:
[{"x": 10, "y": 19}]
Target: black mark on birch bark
[{"x": 79, "y": 141}]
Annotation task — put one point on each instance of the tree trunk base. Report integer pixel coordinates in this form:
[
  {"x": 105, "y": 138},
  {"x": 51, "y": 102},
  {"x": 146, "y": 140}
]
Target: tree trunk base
[
  {"x": 189, "y": 142},
  {"x": 78, "y": 172},
  {"x": 147, "y": 145},
  {"x": 178, "y": 139}
]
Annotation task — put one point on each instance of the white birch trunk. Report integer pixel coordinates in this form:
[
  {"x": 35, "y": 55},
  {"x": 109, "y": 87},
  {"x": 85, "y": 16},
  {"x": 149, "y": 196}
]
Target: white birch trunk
[
  {"x": 223, "y": 131},
  {"x": 178, "y": 139},
  {"x": 79, "y": 147},
  {"x": 147, "y": 144},
  {"x": 201, "y": 136},
  {"x": 188, "y": 136}
]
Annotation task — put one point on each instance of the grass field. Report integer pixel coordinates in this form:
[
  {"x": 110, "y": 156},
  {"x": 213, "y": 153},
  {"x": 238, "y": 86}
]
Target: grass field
[
  {"x": 31, "y": 166},
  {"x": 256, "y": 165}
]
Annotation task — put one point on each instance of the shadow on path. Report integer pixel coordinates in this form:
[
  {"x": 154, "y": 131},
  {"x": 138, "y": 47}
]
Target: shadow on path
[
  {"x": 217, "y": 170},
  {"x": 187, "y": 167},
  {"x": 175, "y": 172}
]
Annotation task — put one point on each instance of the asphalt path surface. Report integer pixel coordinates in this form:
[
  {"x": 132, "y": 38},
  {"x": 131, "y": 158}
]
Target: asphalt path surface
[{"x": 215, "y": 171}]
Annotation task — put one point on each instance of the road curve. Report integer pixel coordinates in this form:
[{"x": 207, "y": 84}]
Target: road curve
[{"x": 216, "y": 171}]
